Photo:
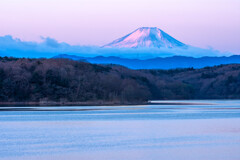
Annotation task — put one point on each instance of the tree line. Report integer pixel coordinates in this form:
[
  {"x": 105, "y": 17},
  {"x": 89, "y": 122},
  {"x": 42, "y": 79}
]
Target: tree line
[{"x": 63, "y": 80}]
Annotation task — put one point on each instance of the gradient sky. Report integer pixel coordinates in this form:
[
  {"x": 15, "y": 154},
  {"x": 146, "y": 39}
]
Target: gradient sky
[{"x": 201, "y": 23}]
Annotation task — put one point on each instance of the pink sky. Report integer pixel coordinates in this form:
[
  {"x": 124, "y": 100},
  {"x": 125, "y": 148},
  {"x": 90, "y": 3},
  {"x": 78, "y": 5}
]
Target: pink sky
[{"x": 200, "y": 23}]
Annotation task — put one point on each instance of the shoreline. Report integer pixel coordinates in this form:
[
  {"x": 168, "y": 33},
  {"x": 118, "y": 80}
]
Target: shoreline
[
  {"x": 51, "y": 103},
  {"x": 98, "y": 103}
]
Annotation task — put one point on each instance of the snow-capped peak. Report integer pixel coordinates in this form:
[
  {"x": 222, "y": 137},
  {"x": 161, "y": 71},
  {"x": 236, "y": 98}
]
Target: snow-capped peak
[{"x": 146, "y": 37}]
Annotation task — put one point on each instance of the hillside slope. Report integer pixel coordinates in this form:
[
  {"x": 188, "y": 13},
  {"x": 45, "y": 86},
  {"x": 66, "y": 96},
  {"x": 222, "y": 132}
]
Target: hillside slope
[{"x": 35, "y": 80}]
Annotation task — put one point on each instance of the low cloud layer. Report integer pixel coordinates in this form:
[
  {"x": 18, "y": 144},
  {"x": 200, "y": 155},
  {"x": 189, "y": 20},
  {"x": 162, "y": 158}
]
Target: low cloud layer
[{"x": 50, "y": 47}]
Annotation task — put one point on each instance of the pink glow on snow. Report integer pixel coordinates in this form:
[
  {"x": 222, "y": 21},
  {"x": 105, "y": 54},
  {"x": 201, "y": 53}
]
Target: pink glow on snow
[
  {"x": 146, "y": 37},
  {"x": 136, "y": 35}
]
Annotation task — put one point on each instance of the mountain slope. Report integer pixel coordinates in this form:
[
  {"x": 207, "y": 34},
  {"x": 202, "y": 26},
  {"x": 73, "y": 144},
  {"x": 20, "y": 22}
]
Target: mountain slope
[{"x": 146, "y": 37}]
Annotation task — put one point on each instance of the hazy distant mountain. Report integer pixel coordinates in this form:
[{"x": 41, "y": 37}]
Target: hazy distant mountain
[
  {"x": 146, "y": 37},
  {"x": 144, "y": 43},
  {"x": 158, "y": 63}
]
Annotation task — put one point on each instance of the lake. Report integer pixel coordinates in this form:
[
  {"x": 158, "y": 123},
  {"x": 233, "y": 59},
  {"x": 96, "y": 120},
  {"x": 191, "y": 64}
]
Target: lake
[{"x": 196, "y": 130}]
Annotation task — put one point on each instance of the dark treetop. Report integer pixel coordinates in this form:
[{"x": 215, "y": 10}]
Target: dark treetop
[{"x": 63, "y": 80}]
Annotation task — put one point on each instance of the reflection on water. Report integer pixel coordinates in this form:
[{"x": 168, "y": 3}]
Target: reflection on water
[{"x": 193, "y": 131}]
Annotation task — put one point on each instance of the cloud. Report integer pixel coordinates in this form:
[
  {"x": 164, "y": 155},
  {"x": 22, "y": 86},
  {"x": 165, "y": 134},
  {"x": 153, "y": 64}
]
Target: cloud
[
  {"x": 51, "y": 42},
  {"x": 50, "y": 47}
]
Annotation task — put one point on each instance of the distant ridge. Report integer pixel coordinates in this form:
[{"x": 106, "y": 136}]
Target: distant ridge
[
  {"x": 158, "y": 63},
  {"x": 146, "y": 37}
]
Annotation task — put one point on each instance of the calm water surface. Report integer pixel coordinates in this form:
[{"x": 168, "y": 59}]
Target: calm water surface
[{"x": 150, "y": 132}]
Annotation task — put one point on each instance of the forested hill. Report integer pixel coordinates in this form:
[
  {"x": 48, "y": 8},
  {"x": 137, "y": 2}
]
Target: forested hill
[{"x": 63, "y": 80}]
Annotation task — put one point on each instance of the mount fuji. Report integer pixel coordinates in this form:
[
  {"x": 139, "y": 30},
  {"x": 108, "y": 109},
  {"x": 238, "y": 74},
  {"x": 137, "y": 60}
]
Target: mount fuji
[
  {"x": 143, "y": 43},
  {"x": 147, "y": 37}
]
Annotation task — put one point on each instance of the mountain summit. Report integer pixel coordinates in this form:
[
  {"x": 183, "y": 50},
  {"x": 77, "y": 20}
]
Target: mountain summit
[{"x": 146, "y": 37}]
